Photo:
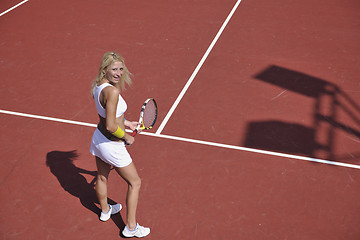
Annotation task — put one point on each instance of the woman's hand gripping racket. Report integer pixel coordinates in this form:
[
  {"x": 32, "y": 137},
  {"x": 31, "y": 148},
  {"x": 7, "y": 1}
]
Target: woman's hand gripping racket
[{"x": 148, "y": 116}]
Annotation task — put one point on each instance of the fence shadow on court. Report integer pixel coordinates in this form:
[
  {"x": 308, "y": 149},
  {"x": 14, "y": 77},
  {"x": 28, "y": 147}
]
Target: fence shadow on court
[
  {"x": 318, "y": 139},
  {"x": 71, "y": 179}
]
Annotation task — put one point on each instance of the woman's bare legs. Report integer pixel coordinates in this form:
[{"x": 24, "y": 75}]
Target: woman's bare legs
[
  {"x": 101, "y": 184},
  {"x": 130, "y": 175}
]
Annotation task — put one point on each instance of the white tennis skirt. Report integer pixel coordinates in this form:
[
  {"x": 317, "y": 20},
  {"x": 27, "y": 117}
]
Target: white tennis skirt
[{"x": 111, "y": 152}]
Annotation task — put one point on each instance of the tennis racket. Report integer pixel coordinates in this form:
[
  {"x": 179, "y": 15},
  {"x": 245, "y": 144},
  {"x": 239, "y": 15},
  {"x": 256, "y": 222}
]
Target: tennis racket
[{"x": 148, "y": 116}]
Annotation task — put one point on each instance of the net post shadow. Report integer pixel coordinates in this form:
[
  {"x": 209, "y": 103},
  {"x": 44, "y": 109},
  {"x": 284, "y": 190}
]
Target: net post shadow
[{"x": 295, "y": 138}]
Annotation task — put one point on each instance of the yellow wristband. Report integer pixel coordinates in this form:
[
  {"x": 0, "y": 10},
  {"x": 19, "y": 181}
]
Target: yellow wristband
[{"x": 119, "y": 133}]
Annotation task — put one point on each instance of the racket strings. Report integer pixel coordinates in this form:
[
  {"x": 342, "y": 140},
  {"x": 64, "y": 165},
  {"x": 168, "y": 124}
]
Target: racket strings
[{"x": 150, "y": 114}]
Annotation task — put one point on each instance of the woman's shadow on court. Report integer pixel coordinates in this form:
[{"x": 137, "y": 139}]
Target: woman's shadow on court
[{"x": 71, "y": 179}]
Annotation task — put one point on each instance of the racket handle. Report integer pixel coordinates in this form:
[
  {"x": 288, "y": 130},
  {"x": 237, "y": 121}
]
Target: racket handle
[{"x": 134, "y": 133}]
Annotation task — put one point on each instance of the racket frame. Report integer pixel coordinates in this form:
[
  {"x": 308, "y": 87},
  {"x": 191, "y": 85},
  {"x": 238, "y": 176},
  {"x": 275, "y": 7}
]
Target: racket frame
[{"x": 141, "y": 118}]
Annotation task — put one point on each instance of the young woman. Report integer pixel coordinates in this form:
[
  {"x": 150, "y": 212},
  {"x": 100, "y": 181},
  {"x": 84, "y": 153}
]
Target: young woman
[{"x": 109, "y": 140}]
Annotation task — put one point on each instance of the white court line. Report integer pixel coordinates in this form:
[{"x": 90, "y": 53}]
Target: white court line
[
  {"x": 10, "y": 9},
  {"x": 265, "y": 152},
  {"x": 47, "y": 118},
  {"x": 182, "y": 93}
]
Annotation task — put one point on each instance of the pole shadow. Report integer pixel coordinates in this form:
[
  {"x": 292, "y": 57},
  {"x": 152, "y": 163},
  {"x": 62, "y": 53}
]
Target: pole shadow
[
  {"x": 71, "y": 179},
  {"x": 317, "y": 140}
]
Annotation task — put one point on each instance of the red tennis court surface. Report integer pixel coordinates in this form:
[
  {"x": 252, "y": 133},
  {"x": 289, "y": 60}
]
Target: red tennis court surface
[{"x": 263, "y": 144}]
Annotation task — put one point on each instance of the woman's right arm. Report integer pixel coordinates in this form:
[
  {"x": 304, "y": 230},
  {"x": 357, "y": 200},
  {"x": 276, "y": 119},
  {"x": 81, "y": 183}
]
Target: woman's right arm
[{"x": 111, "y": 97}]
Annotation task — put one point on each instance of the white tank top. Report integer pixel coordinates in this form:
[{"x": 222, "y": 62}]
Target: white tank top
[{"x": 121, "y": 105}]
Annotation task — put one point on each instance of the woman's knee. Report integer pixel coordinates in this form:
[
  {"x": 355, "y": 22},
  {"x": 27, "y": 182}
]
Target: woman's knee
[
  {"x": 135, "y": 183},
  {"x": 101, "y": 178}
]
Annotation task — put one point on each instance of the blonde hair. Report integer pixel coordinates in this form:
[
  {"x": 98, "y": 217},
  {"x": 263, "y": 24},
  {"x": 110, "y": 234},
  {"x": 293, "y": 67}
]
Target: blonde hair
[{"x": 108, "y": 59}]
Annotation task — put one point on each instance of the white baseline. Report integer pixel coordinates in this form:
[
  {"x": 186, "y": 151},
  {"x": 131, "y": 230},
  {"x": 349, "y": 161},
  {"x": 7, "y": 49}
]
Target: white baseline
[{"x": 309, "y": 159}]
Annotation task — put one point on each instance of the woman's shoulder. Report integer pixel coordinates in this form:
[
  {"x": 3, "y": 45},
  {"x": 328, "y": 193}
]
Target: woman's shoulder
[{"x": 110, "y": 90}]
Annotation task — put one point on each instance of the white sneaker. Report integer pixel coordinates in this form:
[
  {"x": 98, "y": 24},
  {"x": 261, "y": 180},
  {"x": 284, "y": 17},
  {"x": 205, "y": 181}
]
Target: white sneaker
[
  {"x": 113, "y": 210},
  {"x": 139, "y": 231}
]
